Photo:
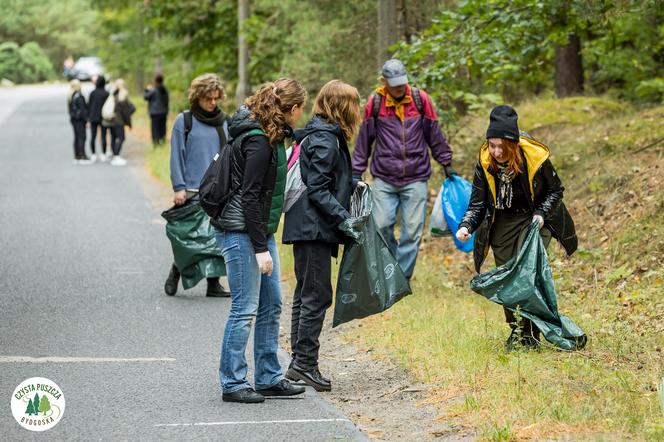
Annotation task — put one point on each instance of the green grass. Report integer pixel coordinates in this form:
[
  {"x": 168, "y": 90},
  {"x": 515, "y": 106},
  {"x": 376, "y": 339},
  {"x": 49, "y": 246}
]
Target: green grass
[{"x": 612, "y": 288}]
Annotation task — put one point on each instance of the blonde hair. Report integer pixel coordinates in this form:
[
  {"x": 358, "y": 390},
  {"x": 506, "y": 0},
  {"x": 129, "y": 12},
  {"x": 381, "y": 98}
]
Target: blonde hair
[
  {"x": 513, "y": 155},
  {"x": 203, "y": 86},
  {"x": 338, "y": 102},
  {"x": 272, "y": 101},
  {"x": 74, "y": 86}
]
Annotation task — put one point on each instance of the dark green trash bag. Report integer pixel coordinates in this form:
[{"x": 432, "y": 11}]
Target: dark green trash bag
[
  {"x": 194, "y": 245},
  {"x": 526, "y": 281},
  {"x": 370, "y": 280}
]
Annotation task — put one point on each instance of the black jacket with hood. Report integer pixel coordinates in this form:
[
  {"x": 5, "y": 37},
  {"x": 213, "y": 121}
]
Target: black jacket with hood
[
  {"x": 541, "y": 183},
  {"x": 97, "y": 99},
  {"x": 253, "y": 174},
  {"x": 78, "y": 109},
  {"x": 326, "y": 170}
]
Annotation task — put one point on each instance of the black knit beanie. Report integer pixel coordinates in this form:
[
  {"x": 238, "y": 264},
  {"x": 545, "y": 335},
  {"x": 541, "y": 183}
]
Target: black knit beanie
[{"x": 502, "y": 123}]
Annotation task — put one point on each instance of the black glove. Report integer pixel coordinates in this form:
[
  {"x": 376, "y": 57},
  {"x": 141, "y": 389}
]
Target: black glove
[{"x": 449, "y": 171}]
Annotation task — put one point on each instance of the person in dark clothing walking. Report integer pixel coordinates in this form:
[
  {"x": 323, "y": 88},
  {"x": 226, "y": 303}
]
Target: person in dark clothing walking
[
  {"x": 246, "y": 227},
  {"x": 312, "y": 223},
  {"x": 97, "y": 99},
  {"x": 514, "y": 186},
  {"x": 78, "y": 116},
  {"x": 157, "y": 98},
  {"x": 192, "y": 151}
]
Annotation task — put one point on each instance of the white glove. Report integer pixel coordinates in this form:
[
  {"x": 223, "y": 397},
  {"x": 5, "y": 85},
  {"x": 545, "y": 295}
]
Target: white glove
[
  {"x": 539, "y": 220},
  {"x": 264, "y": 261},
  {"x": 361, "y": 184},
  {"x": 462, "y": 234}
]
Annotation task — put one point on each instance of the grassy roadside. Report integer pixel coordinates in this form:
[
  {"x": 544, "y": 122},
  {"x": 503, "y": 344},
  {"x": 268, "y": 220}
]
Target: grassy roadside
[{"x": 612, "y": 287}]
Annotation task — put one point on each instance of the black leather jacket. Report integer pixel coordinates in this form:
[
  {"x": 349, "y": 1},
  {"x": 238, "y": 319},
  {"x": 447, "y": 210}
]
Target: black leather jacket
[
  {"x": 326, "y": 170},
  {"x": 546, "y": 194}
]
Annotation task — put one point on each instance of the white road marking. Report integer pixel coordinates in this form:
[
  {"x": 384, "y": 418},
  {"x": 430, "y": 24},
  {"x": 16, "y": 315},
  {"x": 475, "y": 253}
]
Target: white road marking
[
  {"x": 60, "y": 359},
  {"x": 285, "y": 421}
]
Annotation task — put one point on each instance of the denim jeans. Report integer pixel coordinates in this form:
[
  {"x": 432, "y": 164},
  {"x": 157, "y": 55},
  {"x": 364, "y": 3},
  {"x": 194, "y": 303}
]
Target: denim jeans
[
  {"x": 411, "y": 202},
  {"x": 253, "y": 295}
]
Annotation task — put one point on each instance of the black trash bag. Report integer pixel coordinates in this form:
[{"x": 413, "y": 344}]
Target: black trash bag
[
  {"x": 193, "y": 241},
  {"x": 370, "y": 280},
  {"x": 526, "y": 282}
]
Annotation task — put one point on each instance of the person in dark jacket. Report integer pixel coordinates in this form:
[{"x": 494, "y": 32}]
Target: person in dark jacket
[
  {"x": 312, "y": 223},
  {"x": 192, "y": 153},
  {"x": 157, "y": 98},
  {"x": 78, "y": 116},
  {"x": 514, "y": 186},
  {"x": 246, "y": 225},
  {"x": 97, "y": 99},
  {"x": 404, "y": 126},
  {"x": 123, "y": 108}
]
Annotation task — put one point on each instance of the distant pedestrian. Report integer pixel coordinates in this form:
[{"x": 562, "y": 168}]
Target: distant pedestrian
[
  {"x": 515, "y": 185},
  {"x": 97, "y": 99},
  {"x": 246, "y": 227},
  {"x": 116, "y": 114},
  {"x": 196, "y": 137},
  {"x": 312, "y": 223},
  {"x": 78, "y": 116},
  {"x": 157, "y": 98},
  {"x": 402, "y": 122}
]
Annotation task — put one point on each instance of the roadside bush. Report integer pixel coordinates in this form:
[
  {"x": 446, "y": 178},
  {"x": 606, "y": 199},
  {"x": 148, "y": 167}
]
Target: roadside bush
[{"x": 26, "y": 64}]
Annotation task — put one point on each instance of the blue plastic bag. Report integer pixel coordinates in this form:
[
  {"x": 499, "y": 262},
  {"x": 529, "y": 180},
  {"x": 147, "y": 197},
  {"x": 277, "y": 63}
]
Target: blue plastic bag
[{"x": 456, "y": 197}]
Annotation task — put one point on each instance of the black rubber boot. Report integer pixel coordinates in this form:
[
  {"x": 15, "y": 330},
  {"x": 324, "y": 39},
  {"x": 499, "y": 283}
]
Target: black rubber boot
[{"x": 171, "y": 285}]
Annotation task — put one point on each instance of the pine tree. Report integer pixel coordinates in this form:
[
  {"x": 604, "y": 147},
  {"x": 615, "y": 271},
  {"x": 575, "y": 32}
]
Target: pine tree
[
  {"x": 45, "y": 405},
  {"x": 31, "y": 409},
  {"x": 35, "y": 403}
]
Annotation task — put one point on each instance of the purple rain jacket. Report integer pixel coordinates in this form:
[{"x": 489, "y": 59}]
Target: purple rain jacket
[{"x": 401, "y": 156}]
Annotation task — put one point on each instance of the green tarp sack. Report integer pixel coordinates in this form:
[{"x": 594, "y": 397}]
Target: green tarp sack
[
  {"x": 370, "y": 280},
  {"x": 193, "y": 241},
  {"x": 526, "y": 282}
]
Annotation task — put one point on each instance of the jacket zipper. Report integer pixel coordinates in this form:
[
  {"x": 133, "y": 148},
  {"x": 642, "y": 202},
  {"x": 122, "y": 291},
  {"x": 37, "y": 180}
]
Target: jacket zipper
[{"x": 403, "y": 140}]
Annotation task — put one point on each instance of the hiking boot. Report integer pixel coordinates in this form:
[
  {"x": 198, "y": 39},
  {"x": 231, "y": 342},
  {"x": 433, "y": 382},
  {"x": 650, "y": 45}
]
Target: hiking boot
[
  {"x": 311, "y": 377},
  {"x": 512, "y": 340},
  {"x": 216, "y": 290},
  {"x": 171, "y": 285}
]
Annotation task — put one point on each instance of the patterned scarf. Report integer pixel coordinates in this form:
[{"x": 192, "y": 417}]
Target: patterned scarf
[
  {"x": 398, "y": 105},
  {"x": 504, "y": 197}
]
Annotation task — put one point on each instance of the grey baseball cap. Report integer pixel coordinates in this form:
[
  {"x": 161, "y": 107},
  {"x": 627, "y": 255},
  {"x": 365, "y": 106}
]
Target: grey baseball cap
[{"x": 395, "y": 73}]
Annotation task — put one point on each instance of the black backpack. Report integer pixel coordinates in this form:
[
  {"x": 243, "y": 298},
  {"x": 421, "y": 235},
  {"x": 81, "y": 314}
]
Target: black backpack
[
  {"x": 215, "y": 189},
  {"x": 378, "y": 98}
]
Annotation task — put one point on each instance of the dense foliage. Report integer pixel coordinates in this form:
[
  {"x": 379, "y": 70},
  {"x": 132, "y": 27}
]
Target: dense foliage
[{"x": 26, "y": 64}]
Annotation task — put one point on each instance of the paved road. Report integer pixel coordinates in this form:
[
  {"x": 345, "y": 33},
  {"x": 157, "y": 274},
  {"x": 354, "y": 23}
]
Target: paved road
[{"x": 82, "y": 263}]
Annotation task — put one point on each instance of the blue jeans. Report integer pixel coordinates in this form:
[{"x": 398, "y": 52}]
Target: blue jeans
[
  {"x": 253, "y": 295},
  {"x": 411, "y": 201}
]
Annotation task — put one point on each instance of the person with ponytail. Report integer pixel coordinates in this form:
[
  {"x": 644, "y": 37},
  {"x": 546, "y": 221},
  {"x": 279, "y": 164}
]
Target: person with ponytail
[
  {"x": 312, "y": 223},
  {"x": 246, "y": 228}
]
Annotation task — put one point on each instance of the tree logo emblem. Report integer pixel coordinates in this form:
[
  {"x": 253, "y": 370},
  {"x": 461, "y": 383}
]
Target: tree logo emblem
[{"x": 38, "y": 404}]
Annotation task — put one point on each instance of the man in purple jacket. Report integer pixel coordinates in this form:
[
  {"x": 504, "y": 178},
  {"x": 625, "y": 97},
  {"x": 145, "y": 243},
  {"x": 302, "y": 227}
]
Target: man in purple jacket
[{"x": 404, "y": 125}]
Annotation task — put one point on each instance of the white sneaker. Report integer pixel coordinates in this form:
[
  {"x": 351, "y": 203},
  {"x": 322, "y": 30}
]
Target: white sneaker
[
  {"x": 93, "y": 158},
  {"x": 102, "y": 158},
  {"x": 84, "y": 162},
  {"x": 118, "y": 161}
]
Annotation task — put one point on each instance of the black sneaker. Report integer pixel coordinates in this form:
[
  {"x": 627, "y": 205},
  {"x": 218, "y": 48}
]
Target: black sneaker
[
  {"x": 245, "y": 396},
  {"x": 281, "y": 388},
  {"x": 171, "y": 285},
  {"x": 216, "y": 290}
]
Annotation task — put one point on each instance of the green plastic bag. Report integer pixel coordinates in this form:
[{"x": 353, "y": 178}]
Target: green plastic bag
[
  {"x": 370, "y": 280},
  {"x": 526, "y": 282},
  {"x": 194, "y": 244}
]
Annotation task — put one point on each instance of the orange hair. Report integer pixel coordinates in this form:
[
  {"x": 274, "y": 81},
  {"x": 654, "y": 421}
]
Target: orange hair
[{"x": 513, "y": 154}]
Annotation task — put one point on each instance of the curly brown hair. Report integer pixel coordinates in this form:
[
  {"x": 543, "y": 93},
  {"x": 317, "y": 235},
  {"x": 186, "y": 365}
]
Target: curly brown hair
[
  {"x": 338, "y": 102},
  {"x": 203, "y": 86},
  {"x": 270, "y": 104}
]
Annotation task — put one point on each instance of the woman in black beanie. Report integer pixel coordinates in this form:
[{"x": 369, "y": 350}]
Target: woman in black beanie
[{"x": 514, "y": 185}]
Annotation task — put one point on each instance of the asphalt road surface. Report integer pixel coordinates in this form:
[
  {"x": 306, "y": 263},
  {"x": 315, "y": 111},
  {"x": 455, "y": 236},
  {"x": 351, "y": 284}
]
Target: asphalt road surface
[{"x": 83, "y": 258}]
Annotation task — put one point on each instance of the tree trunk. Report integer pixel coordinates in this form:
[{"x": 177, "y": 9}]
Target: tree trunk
[
  {"x": 569, "y": 69},
  {"x": 243, "y": 84},
  {"x": 387, "y": 29}
]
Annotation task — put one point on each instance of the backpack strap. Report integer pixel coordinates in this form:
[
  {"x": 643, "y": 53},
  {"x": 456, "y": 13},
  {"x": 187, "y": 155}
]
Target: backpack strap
[
  {"x": 417, "y": 98},
  {"x": 375, "y": 108},
  {"x": 188, "y": 122}
]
